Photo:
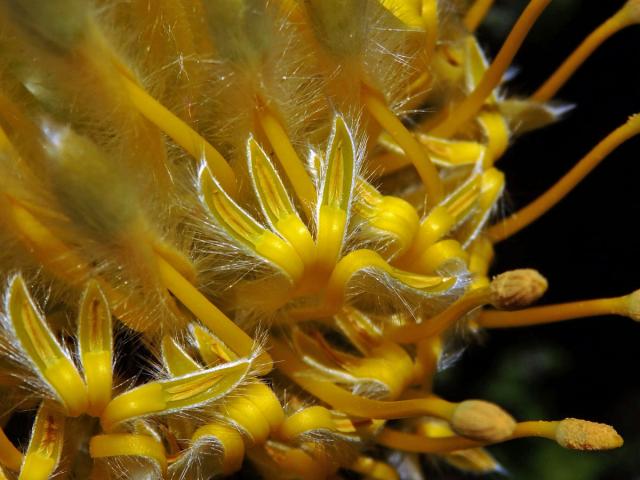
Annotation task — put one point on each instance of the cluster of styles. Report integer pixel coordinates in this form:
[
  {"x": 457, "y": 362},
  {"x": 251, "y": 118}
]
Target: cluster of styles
[{"x": 284, "y": 205}]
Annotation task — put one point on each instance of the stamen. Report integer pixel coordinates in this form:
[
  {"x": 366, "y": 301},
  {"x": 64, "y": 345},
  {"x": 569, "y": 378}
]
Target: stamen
[
  {"x": 628, "y": 15},
  {"x": 182, "y": 134},
  {"x": 627, "y": 306},
  {"x": 512, "y": 289},
  {"x": 412, "y": 149},
  {"x": 463, "y": 112},
  {"x": 473, "y": 417},
  {"x": 342, "y": 400},
  {"x": 437, "y": 324},
  {"x": 551, "y": 197},
  {"x": 570, "y": 433},
  {"x": 476, "y": 13}
]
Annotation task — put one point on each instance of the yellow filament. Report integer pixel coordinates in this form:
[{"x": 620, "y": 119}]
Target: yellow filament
[
  {"x": 476, "y": 13},
  {"x": 463, "y": 112},
  {"x": 46, "y": 247},
  {"x": 621, "y": 19},
  {"x": 551, "y": 197},
  {"x": 420, "y": 444},
  {"x": 182, "y": 134},
  {"x": 428, "y": 353},
  {"x": 289, "y": 159},
  {"x": 554, "y": 313},
  {"x": 434, "y": 326},
  {"x": 405, "y": 139},
  {"x": 209, "y": 314},
  {"x": 350, "y": 404}
]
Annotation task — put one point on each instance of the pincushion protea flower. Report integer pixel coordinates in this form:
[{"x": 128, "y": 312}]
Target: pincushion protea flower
[{"x": 245, "y": 186}]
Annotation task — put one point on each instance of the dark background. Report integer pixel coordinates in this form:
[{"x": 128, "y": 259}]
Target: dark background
[{"x": 587, "y": 247}]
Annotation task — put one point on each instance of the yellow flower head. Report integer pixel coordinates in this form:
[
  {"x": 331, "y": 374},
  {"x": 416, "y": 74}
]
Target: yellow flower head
[{"x": 242, "y": 190}]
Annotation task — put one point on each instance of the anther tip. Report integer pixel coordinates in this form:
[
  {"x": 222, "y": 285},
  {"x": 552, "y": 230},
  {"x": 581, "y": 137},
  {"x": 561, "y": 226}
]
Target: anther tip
[
  {"x": 482, "y": 421},
  {"x": 578, "y": 434},
  {"x": 517, "y": 288}
]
